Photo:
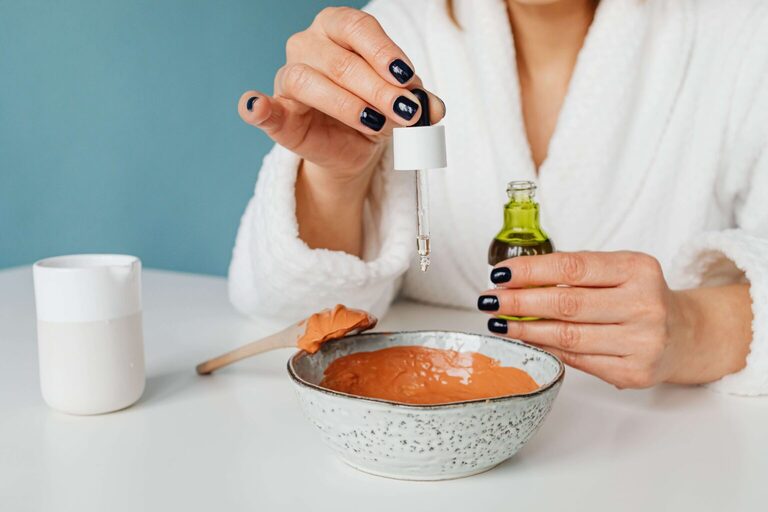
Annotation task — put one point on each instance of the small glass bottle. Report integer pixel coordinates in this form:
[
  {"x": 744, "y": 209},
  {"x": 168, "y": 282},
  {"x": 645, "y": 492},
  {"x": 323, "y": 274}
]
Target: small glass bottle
[{"x": 521, "y": 234}]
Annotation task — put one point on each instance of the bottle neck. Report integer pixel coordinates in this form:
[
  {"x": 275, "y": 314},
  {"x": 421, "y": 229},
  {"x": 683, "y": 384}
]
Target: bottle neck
[{"x": 521, "y": 222}]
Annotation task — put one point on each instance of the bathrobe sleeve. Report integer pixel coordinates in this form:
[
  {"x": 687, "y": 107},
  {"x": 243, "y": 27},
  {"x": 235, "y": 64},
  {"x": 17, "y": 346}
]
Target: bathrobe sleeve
[
  {"x": 742, "y": 253},
  {"x": 274, "y": 273}
]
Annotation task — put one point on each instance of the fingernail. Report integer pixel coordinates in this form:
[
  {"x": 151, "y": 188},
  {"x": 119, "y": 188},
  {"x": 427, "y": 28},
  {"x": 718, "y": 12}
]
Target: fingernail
[
  {"x": 250, "y": 103},
  {"x": 501, "y": 275},
  {"x": 488, "y": 303},
  {"x": 401, "y": 71},
  {"x": 372, "y": 119},
  {"x": 405, "y": 108},
  {"x": 497, "y": 325}
]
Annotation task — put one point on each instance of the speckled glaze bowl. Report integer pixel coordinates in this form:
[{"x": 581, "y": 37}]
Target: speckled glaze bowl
[{"x": 426, "y": 442}]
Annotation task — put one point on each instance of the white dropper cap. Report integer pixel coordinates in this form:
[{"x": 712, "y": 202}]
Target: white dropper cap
[{"x": 419, "y": 148}]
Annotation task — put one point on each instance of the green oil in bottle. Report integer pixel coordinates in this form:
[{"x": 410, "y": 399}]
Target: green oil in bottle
[{"x": 522, "y": 234}]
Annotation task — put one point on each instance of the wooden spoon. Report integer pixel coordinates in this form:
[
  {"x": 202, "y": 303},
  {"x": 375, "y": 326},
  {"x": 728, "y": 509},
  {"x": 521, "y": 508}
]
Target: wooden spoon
[{"x": 309, "y": 334}]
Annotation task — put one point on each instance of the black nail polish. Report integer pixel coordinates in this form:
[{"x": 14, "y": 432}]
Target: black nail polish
[
  {"x": 401, "y": 71},
  {"x": 497, "y": 325},
  {"x": 488, "y": 303},
  {"x": 405, "y": 108},
  {"x": 250, "y": 103},
  {"x": 501, "y": 275},
  {"x": 372, "y": 119}
]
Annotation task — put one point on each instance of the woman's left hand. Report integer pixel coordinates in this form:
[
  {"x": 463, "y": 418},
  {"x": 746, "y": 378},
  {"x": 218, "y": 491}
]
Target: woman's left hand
[{"x": 616, "y": 318}]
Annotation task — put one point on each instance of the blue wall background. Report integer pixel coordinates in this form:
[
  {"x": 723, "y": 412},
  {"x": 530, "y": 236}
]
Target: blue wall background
[{"x": 118, "y": 124}]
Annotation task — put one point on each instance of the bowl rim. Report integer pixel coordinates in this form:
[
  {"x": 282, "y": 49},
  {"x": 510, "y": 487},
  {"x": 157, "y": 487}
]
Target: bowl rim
[{"x": 552, "y": 383}]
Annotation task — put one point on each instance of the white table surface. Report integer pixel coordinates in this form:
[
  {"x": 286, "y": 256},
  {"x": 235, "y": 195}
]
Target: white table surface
[{"x": 237, "y": 440}]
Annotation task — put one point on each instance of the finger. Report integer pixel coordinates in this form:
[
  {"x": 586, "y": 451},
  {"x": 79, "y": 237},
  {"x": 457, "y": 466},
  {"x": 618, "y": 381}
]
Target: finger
[
  {"x": 308, "y": 86},
  {"x": 360, "y": 32},
  {"x": 351, "y": 72},
  {"x": 596, "y": 269},
  {"x": 611, "y": 369},
  {"x": 283, "y": 120},
  {"x": 587, "y": 305},
  {"x": 600, "y": 339},
  {"x": 437, "y": 108},
  {"x": 258, "y": 109}
]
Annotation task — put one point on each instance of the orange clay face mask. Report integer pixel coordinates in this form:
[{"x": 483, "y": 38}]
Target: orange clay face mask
[
  {"x": 331, "y": 324},
  {"x": 421, "y": 375}
]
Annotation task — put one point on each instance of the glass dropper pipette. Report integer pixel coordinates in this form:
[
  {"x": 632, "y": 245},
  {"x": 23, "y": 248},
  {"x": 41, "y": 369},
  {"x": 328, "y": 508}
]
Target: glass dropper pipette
[
  {"x": 419, "y": 148},
  {"x": 422, "y": 218}
]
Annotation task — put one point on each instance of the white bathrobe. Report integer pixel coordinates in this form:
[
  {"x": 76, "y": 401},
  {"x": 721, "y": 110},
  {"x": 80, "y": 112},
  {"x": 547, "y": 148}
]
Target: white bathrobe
[{"x": 661, "y": 147}]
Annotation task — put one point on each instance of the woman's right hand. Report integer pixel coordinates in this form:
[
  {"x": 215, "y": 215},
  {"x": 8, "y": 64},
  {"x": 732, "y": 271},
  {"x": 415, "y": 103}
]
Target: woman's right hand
[{"x": 345, "y": 85}]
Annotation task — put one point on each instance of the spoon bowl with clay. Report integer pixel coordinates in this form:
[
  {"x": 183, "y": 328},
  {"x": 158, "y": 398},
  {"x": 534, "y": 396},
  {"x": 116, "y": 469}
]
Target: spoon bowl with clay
[{"x": 307, "y": 335}]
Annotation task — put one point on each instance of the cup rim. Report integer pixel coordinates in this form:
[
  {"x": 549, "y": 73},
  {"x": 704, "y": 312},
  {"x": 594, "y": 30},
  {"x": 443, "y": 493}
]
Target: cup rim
[
  {"x": 87, "y": 261},
  {"x": 448, "y": 405}
]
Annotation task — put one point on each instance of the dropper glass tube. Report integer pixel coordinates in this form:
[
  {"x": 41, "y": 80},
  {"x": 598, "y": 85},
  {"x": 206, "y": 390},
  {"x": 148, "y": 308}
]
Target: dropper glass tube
[{"x": 422, "y": 218}]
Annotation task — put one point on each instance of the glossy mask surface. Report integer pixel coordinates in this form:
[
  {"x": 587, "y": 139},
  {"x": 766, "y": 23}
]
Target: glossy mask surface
[
  {"x": 421, "y": 375},
  {"x": 331, "y": 324}
]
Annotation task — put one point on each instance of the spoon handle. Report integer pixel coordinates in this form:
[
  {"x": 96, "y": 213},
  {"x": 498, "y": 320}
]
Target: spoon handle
[{"x": 284, "y": 339}]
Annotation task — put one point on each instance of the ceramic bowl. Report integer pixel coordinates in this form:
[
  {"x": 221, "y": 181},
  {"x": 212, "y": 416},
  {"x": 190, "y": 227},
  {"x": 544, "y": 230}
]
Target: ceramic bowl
[{"x": 426, "y": 442}]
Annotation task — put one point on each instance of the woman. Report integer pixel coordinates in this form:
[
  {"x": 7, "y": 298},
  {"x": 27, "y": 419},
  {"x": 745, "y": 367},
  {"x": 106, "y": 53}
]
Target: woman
[{"x": 645, "y": 123}]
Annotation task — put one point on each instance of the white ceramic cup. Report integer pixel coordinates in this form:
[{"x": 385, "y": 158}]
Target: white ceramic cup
[{"x": 89, "y": 332}]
